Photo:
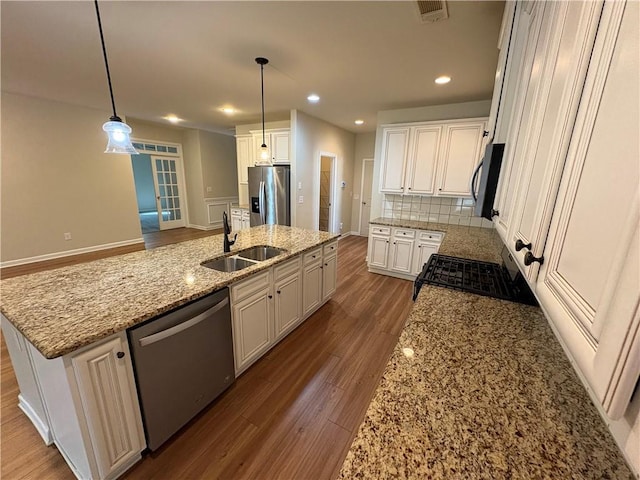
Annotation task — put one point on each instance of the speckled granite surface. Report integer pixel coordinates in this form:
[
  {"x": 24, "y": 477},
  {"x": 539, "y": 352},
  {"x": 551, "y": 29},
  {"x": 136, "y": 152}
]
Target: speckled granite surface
[
  {"x": 459, "y": 241},
  {"x": 61, "y": 310},
  {"x": 479, "y": 388}
]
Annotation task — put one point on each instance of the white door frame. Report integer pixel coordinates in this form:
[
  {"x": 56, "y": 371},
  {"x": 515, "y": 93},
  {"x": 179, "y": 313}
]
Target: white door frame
[
  {"x": 182, "y": 179},
  {"x": 332, "y": 193},
  {"x": 364, "y": 160}
]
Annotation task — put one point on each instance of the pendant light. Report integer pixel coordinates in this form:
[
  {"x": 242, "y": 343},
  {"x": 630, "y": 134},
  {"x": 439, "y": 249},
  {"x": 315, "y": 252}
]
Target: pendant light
[
  {"x": 264, "y": 150},
  {"x": 117, "y": 131}
]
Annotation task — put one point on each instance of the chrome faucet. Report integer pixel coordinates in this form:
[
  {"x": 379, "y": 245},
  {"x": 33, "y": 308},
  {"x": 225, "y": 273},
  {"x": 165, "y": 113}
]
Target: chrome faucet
[{"x": 227, "y": 231}]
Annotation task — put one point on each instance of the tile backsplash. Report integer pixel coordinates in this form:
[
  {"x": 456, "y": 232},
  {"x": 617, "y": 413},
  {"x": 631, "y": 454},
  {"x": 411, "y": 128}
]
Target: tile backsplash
[{"x": 455, "y": 211}]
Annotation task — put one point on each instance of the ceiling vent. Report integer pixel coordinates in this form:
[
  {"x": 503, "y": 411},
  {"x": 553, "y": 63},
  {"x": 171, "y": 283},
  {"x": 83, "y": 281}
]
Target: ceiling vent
[{"x": 432, "y": 11}]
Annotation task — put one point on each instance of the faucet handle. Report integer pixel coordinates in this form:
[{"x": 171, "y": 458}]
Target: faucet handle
[{"x": 231, "y": 242}]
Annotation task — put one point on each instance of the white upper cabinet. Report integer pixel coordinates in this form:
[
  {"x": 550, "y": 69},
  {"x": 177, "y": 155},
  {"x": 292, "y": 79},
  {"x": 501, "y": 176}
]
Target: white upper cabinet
[
  {"x": 395, "y": 150},
  {"x": 244, "y": 154},
  {"x": 461, "y": 152},
  {"x": 417, "y": 157},
  {"x": 278, "y": 142}
]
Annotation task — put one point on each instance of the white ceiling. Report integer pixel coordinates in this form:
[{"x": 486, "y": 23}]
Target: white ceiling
[{"x": 191, "y": 58}]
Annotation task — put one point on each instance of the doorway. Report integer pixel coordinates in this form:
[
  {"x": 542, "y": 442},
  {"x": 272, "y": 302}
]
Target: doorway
[
  {"x": 158, "y": 185},
  {"x": 365, "y": 196},
  {"x": 326, "y": 202}
]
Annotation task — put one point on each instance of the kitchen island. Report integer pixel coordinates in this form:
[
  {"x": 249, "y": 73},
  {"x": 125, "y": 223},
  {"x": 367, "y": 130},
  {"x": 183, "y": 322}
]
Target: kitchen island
[
  {"x": 479, "y": 388},
  {"x": 65, "y": 330}
]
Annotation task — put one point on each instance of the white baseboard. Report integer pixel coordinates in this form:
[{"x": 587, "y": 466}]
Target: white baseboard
[
  {"x": 200, "y": 227},
  {"x": 69, "y": 253},
  {"x": 41, "y": 427}
]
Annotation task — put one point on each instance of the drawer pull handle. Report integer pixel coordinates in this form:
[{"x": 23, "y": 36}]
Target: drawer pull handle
[
  {"x": 520, "y": 245},
  {"x": 529, "y": 259}
]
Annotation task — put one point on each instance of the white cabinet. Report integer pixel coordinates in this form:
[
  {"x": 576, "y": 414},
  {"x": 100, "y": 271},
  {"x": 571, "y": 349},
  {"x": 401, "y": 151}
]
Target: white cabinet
[
  {"x": 287, "y": 297},
  {"x": 418, "y": 157},
  {"x": 252, "y": 315},
  {"x": 240, "y": 219},
  {"x": 278, "y": 143},
  {"x": 379, "y": 240},
  {"x": 244, "y": 155},
  {"x": 461, "y": 151},
  {"x": 329, "y": 270},
  {"x": 109, "y": 401},
  {"x": 246, "y": 219},
  {"x": 311, "y": 282},
  {"x": 88, "y": 402},
  {"x": 400, "y": 252},
  {"x": 270, "y": 304}
]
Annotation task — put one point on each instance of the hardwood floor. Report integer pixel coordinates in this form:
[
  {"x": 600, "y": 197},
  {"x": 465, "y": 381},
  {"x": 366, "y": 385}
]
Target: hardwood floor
[{"x": 292, "y": 415}]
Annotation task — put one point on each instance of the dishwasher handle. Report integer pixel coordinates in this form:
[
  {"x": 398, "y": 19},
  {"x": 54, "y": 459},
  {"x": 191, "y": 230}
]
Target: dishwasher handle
[{"x": 169, "y": 332}]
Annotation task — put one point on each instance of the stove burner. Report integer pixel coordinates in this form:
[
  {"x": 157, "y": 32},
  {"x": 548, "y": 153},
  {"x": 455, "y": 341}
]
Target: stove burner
[{"x": 474, "y": 276}]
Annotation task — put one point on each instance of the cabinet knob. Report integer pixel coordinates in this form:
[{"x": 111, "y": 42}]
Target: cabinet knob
[
  {"x": 520, "y": 245},
  {"x": 278, "y": 292},
  {"x": 409, "y": 188},
  {"x": 529, "y": 259},
  {"x": 439, "y": 189},
  {"x": 270, "y": 296},
  {"x": 495, "y": 213},
  {"x": 120, "y": 354},
  {"x": 326, "y": 264}
]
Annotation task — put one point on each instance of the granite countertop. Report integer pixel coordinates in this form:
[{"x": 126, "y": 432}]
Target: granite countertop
[
  {"x": 64, "y": 309},
  {"x": 480, "y": 388},
  {"x": 459, "y": 241},
  {"x": 240, "y": 206}
]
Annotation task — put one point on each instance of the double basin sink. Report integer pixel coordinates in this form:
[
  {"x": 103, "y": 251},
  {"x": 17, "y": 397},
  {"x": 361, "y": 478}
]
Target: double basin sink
[{"x": 243, "y": 259}]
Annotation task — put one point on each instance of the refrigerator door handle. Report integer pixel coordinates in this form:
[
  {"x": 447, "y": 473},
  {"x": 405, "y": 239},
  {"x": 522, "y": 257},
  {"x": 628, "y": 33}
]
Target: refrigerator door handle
[{"x": 261, "y": 203}]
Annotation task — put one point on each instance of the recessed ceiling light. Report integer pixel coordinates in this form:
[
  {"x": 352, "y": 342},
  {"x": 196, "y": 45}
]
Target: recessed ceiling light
[
  {"x": 228, "y": 110},
  {"x": 313, "y": 98},
  {"x": 442, "y": 80},
  {"x": 359, "y": 122},
  {"x": 172, "y": 118}
]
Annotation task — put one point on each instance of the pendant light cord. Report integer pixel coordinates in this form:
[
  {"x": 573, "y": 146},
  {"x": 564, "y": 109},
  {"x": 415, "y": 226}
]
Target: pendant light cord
[
  {"x": 262, "y": 95},
  {"x": 106, "y": 65}
]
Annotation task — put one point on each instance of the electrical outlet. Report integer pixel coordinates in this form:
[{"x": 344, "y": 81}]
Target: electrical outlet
[
  {"x": 300, "y": 199},
  {"x": 341, "y": 225},
  {"x": 209, "y": 189},
  {"x": 67, "y": 236},
  {"x": 299, "y": 185}
]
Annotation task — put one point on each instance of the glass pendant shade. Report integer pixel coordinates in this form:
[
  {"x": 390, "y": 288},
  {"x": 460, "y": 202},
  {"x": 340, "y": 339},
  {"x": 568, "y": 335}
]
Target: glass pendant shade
[
  {"x": 264, "y": 152},
  {"x": 119, "y": 140}
]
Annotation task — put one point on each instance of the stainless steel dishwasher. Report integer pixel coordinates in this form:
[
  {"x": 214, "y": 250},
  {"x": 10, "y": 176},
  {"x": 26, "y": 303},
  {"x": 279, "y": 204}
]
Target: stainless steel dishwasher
[{"x": 182, "y": 361}]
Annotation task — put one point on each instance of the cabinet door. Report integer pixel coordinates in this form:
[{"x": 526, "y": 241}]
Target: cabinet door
[
  {"x": 252, "y": 327},
  {"x": 244, "y": 149},
  {"x": 378, "y": 251},
  {"x": 423, "y": 252},
  {"x": 589, "y": 283},
  {"x": 461, "y": 152},
  {"x": 329, "y": 276},
  {"x": 311, "y": 288},
  {"x": 401, "y": 255},
  {"x": 395, "y": 145},
  {"x": 245, "y": 222},
  {"x": 105, "y": 382},
  {"x": 280, "y": 147},
  {"x": 236, "y": 222},
  {"x": 421, "y": 170},
  {"x": 565, "y": 61},
  {"x": 288, "y": 305}
]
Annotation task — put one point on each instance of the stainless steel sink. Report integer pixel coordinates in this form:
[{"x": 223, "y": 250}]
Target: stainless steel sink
[
  {"x": 228, "y": 264},
  {"x": 243, "y": 258},
  {"x": 260, "y": 253}
]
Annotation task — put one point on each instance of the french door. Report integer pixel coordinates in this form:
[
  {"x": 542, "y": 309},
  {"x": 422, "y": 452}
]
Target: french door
[{"x": 167, "y": 181}]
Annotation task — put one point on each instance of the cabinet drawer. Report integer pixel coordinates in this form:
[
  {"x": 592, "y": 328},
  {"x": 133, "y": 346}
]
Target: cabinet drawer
[
  {"x": 432, "y": 236},
  {"x": 380, "y": 230},
  {"x": 404, "y": 233},
  {"x": 312, "y": 256},
  {"x": 287, "y": 268},
  {"x": 330, "y": 248},
  {"x": 236, "y": 211},
  {"x": 246, "y": 214},
  {"x": 245, "y": 288}
]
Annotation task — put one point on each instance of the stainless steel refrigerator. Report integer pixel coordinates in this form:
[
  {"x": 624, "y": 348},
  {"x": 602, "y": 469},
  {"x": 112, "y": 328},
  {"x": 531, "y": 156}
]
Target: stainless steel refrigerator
[{"x": 270, "y": 195}]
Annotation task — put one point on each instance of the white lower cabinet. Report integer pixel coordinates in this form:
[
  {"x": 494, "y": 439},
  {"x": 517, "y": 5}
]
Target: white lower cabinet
[
  {"x": 267, "y": 306},
  {"x": 89, "y": 402},
  {"x": 239, "y": 219},
  {"x": 401, "y": 252}
]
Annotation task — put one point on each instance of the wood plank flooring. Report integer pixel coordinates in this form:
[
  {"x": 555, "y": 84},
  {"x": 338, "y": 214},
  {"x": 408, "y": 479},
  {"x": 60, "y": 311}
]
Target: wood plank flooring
[{"x": 292, "y": 415}]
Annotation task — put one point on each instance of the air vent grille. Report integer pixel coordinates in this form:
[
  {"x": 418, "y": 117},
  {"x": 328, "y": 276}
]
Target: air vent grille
[{"x": 432, "y": 11}]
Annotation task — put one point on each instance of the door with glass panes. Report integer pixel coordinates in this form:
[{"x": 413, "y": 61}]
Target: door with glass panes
[{"x": 166, "y": 177}]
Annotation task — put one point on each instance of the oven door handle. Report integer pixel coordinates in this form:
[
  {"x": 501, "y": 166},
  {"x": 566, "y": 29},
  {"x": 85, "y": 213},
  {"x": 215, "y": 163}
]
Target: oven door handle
[
  {"x": 473, "y": 181},
  {"x": 169, "y": 332}
]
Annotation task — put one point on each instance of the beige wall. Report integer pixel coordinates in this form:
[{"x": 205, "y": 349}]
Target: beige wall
[
  {"x": 312, "y": 138},
  {"x": 193, "y": 179},
  {"x": 365, "y": 148},
  {"x": 219, "y": 167},
  {"x": 421, "y": 114},
  {"x": 143, "y": 130},
  {"x": 56, "y": 179}
]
